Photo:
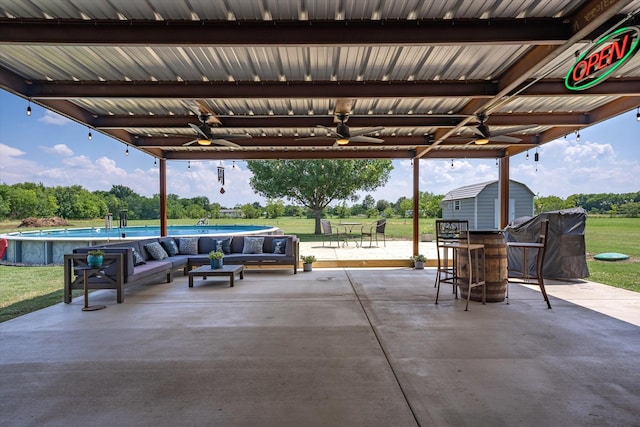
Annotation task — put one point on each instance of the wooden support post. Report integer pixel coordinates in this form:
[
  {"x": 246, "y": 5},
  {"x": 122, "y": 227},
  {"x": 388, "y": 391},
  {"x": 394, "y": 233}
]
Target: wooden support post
[
  {"x": 163, "y": 197},
  {"x": 416, "y": 205},
  {"x": 503, "y": 193}
]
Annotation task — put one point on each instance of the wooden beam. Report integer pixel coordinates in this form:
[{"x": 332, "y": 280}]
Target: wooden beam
[{"x": 284, "y": 33}]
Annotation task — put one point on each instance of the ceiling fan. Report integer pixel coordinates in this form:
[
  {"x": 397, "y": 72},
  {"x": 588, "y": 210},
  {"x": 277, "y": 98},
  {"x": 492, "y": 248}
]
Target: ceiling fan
[
  {"x": 341, "y": 133},
  {"x": 483, "y": 135},
  {"x": 204, "y": 134}
]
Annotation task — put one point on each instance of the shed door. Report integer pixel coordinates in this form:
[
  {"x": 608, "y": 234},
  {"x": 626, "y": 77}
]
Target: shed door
[{"x": 496, "y": 212}]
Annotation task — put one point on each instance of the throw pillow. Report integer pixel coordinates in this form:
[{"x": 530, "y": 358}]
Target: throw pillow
[
  {"x": 253, "y": 245},
  {"x": 138, "y": 259},
  {"x": 279, "y": 246},
  {"x": 169, "y": 246},
  {"x": 223, "y": 245},
  {"x": 156, "y": 251},
  {"x": 188, "y": 245}
]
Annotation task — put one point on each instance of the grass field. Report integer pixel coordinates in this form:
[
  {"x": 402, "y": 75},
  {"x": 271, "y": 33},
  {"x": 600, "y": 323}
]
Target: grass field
[{"x": 25, "y": 289}]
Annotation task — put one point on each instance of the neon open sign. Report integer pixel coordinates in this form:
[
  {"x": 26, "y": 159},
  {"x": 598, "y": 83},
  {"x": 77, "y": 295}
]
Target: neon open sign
[{"x": 603, "y": 58}]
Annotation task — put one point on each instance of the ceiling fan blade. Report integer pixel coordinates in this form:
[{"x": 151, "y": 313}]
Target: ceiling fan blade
[
  {"x": 225, "y": 143},
  {"x": 363, "y": 138},
  {"x": 512, "y": 130},
  {"x": 504, "y": 138},
  {"x": 230, "y": 136},
  {"x": 189, "y": 143},
  {"x": 477, "y": 131},
  {"x": 365, "y": 131},
  {"x": 332, "y": 132},
  {"x": 198, "y": 131}
]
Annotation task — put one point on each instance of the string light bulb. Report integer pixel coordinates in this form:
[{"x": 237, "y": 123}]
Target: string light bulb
[
  {"x": 451, "y": 163},
  {"x": 189, "y": 164},
  {"x": 638, "y": 114},
  {"x": 126, "y": 152},
  {"x": 527, "y": 156},
  {"x": 155, "y": 162},
  {"x": 578, "y": 135},
  {"x": 90, "y": 136},
  {"x": 29, "y": 109}
]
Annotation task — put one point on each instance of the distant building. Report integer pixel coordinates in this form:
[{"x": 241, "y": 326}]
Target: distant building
[
  {"x": 231, "y": 213},
  {"x": 478, "y": 204}
]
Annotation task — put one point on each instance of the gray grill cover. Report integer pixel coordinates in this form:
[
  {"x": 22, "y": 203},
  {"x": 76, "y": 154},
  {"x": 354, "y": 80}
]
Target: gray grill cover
[{"x": 566, "y": 252}]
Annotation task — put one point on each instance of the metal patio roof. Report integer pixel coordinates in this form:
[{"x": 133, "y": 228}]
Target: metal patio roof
[{"x": 275, "y": 70}]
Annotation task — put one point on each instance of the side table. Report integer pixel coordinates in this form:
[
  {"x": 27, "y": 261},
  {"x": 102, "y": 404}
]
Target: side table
[{"x": 88, "y": 272}]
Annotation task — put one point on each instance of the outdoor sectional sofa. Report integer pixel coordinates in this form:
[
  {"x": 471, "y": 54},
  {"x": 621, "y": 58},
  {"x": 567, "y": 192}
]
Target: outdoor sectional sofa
[{"x": 140, "y": 261}]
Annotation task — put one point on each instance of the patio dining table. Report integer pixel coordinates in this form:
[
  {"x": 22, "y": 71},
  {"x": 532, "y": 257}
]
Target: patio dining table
[{"x": 348, "y": 226}]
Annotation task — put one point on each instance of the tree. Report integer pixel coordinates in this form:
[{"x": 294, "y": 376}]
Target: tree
[
  {"x": 274, "y": 208},
  {"x": 316, "y": 183},
  {"x": 549, "y": 203}
]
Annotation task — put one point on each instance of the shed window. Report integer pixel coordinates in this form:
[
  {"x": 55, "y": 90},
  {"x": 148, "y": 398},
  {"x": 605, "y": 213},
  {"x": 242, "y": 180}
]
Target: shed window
[{"x": 456, "y": 205}]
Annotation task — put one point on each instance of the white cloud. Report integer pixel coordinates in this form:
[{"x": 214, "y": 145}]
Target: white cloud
[
  {"x": 59, "y": 150},
  {"x": 14, "y": 168},
  {"x": 7, "y": 152},
  {"x": 202, "y": 180},
  {"x": 52, "y": 118}
]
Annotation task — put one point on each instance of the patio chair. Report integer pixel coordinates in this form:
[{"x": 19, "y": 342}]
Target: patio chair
[
  {"x": 373, "y": 230},
  {"x": 453, "y": 236},
  {"x": 332, "y": 232},
  {"x": 540, "y": 247}
]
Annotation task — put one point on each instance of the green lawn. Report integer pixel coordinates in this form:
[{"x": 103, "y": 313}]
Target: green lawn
[{"x": 26, "y": 289}]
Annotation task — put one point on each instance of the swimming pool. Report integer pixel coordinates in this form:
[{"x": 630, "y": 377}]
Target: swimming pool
[{"x": 49, "y": 246}]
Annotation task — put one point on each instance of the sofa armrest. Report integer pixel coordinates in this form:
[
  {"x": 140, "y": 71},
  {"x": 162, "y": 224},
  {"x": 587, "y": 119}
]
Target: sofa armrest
[{"x": 112, "y": 261}]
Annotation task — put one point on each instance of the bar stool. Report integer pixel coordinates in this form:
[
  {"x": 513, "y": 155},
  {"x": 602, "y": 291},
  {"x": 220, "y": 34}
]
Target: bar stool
[
  {"x": 453, "y": 235},
  {"x": 539, "y": 247}
]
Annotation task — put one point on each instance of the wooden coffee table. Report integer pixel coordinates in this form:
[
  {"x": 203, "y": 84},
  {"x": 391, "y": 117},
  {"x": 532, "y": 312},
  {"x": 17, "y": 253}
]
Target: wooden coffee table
[{"x": 226, "y": 270}]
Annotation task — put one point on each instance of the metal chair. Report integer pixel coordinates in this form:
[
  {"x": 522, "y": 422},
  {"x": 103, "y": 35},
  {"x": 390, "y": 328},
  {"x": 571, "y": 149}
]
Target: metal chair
[
  {"x": 332, "y": 232},
  {"x": 540, "y": 247},
  {"x": 453, "y": 236},
  {"x": 373, "y": 230}
]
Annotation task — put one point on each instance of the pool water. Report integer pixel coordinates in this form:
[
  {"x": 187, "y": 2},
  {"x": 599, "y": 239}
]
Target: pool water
[{"x": 142, "y": 231}]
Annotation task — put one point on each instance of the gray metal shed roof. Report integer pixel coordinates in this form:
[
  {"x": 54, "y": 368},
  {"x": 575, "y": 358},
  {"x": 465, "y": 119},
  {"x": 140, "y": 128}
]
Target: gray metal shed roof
[{"x": 471, "y": 191}]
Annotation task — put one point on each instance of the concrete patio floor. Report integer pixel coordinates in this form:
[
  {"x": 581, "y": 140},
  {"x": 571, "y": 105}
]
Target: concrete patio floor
[{"x": 333, "y": 347}]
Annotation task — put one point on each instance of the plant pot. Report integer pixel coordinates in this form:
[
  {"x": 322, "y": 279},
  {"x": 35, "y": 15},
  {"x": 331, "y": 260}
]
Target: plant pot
[
  {"x": 216, "y": 263},
  {"x": 94, "y": 260},
  {"x": 426, "y": 237},
  {"x": 307, "y": 267},
  {"x": 418, "y": 265}
]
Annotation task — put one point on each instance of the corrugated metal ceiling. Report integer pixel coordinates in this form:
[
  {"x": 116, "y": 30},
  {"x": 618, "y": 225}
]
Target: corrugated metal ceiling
[{"x": 449, "y": 76}]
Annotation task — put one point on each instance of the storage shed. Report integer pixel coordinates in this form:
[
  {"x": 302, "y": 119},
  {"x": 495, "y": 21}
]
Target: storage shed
[{"x": 478, "y": 203}]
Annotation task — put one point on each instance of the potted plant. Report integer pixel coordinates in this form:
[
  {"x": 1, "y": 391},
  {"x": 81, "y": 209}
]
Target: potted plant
[
  {"x": 95, "y": 258},
  {"x": 307, "y": 262},
  {"x": 215, "y": 258},
  {"x": 426, "y": 235},
  {"x": 418, "y": 261}
]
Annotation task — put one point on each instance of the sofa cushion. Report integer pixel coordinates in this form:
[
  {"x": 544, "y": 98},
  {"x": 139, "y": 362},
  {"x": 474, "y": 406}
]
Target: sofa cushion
[
  {"x": 279, "y": 246},
  {"x": 223, "y": 245},
  {"x": 169, "y": 245},
  {"x": 188, "y": 245},
  {"x": 138, "y": 259},
  {"x": 151, "y": 268},
  {"x": 156, "y": 251},
  {"x": 253, "y": 245}
]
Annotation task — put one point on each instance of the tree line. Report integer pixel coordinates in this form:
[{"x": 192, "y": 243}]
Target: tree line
[
  {"x": 624, "y": 204},
  {"x": 23, "y": 200},
  {"x": 19, "y": 201}
]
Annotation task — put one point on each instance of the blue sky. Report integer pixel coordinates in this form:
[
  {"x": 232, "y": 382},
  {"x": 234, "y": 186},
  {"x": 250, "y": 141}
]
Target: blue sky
[{"x": 53, "y": 150}]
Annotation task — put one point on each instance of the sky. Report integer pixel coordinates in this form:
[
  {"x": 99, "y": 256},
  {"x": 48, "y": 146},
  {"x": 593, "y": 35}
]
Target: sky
[{"x": 55, "y": 151}]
